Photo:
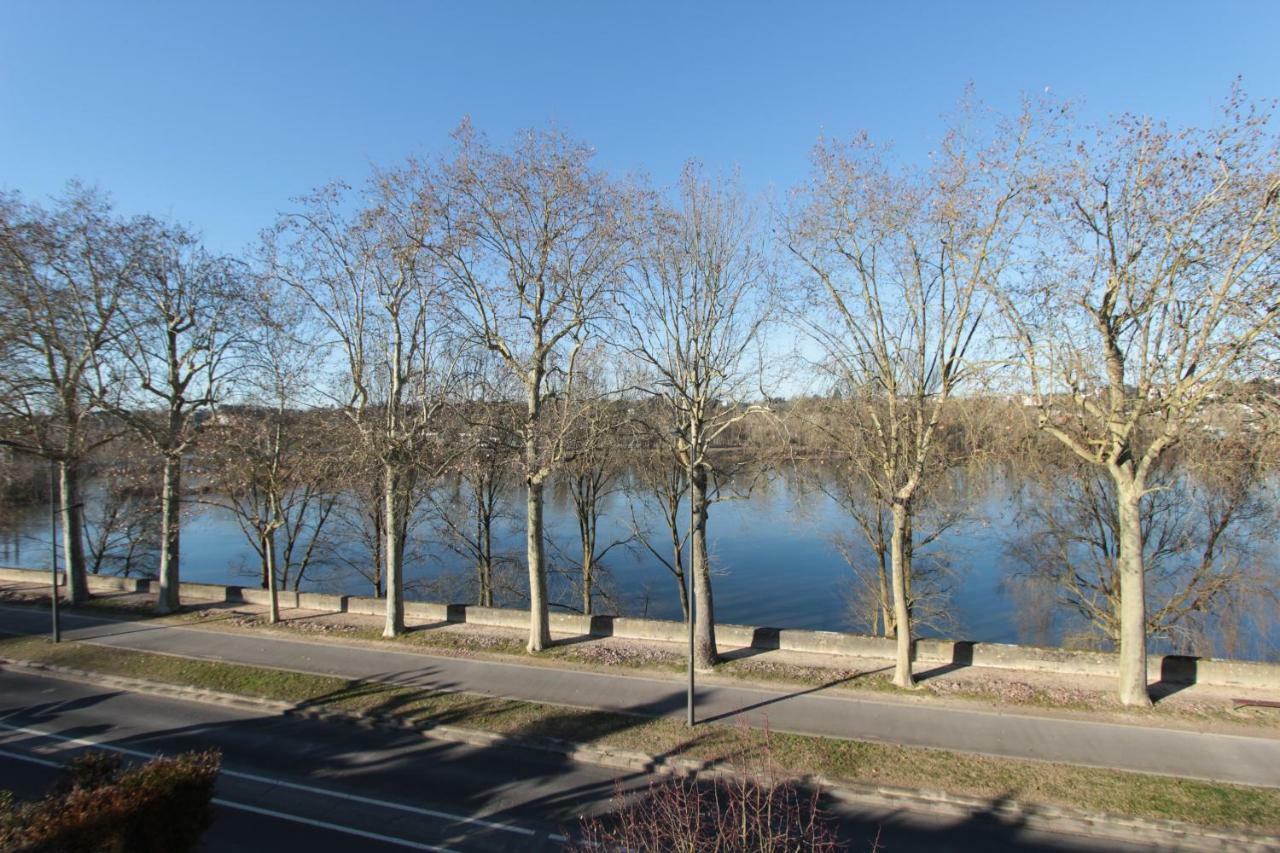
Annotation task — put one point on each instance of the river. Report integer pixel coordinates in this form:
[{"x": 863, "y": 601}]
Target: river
[{"x": 779, "y": 554}]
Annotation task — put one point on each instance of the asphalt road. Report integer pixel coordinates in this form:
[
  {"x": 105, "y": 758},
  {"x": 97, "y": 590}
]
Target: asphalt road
[
  {"x": 290, "y": 784},
  {"x": 1251, "y": 760}
]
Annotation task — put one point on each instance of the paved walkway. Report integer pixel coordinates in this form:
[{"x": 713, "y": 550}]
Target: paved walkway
[{"x": 1252, "y": 760}]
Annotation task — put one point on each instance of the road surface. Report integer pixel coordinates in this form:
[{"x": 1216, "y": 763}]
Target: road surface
[
  {"x": 290, "y": 784},
  {"x": 1250, "y": 760}
]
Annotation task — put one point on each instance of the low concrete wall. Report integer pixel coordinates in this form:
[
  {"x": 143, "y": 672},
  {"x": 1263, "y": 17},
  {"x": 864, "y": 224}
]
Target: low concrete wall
[
  {"x": 1182, "y": 669},
  {"x": 421, "y": 610},
  {"x": 366, "y": 606},
  {"x": 33, "y": 576},
  {"x": 209, "y": 592},
  {"x": 317, "y": 601},
  {"x": 258, "y": 595},
  {"x": 110, "y": 583},
  {"x": 643, "y": 629},
  {"x": 1174, "y": 669},
  {"x": 825, "y": 642}
]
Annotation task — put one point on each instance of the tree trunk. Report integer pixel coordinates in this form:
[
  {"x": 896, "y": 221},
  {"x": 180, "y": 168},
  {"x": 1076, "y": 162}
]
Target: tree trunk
[
  {"x": 706, "y": 655},
  {"x": 539, "y": 620},
  {"x": 484, "y": 531},
  {"x": 684, "y": 595},
  {"x": 587, "y": 580},
  {"x": 677, "y": 561},
  {"x": 170, "y": 530},
  {"x": 379, "y": 544},
  {"x": 393, "y": 550},
  {"x": 587, "y": 536},
  {"x": 269, "y": 549},
  {"x": 902, "y": 675},
  {"x": 1133, "y": 604},
  {"x": 71, "y": 509},
  {"x": 886, "y": 606}
]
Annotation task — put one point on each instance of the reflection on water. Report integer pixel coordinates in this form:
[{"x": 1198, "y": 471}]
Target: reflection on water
[{"x": 775, "y": 554}]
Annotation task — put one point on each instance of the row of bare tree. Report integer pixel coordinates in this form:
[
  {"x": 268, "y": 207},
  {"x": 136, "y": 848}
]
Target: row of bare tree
[{"x": 516, "y": 309}]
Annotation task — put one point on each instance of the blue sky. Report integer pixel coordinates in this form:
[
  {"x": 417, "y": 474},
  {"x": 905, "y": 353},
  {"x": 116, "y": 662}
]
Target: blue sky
[{"x": 217, "y": 113}]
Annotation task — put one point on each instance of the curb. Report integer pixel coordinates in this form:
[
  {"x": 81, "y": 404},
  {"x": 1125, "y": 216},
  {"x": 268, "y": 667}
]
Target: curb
[{"x": 1054, "y": 819}]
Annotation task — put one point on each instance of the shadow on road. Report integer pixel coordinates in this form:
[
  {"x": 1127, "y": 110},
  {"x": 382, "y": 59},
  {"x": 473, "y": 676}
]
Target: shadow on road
[{"x": 498, "y": 779}]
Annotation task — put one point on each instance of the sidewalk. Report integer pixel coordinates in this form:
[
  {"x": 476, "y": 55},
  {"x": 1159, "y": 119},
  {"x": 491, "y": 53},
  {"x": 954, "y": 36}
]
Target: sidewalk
[{"x": 1251, "y": 760}]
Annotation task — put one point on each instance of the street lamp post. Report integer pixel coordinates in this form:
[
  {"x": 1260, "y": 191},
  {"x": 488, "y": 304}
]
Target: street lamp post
[
  {"x": 678, "y": 433},
  {"x": 689, "y": 598},
  {"x": 53, "y": 552}
]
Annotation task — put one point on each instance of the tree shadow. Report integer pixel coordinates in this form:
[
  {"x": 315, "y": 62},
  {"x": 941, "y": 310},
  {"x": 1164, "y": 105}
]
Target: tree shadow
[
  {"x": 50, "y": 710},
  {"x": 961, "y": 657},
  {"x": 426, "y": 626},
  {"x": 501, "y": 779},
  {"x": 1177, "y": 673},
  {"x": 776, "y": 699},
  {"x": 763, "y": 640}
]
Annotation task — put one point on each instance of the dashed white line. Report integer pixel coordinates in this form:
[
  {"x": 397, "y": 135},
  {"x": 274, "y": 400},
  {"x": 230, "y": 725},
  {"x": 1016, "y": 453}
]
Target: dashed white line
[{"x": 324, "y": 824}]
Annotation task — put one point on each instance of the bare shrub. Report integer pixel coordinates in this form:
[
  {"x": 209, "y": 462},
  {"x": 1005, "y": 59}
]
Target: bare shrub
[{"x": 757, "y": 808}]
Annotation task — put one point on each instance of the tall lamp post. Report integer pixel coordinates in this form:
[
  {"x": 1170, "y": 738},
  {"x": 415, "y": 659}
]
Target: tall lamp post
[
  {"x": 678, "y": 433},
  {"x": 689, "y": 598},
  {"x": 53, "y": 552}
]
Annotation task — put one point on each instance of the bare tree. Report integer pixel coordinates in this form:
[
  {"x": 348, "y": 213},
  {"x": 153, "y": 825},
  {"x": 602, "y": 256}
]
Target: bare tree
[
  {"x": 62, "y": 276},
  {"x": 1206, "y": 522},
  {"x": 531, "y": 250},
  {"x": 1157, "y": 279},
  {"x": 369, "y": 281},
  {"x": 265, "y": 462},
  {"x": 472, "y": 511},
  {"x": 935, "y": 511},
  {"x": 122, "y": 512},
  {"x": 359, "y": 540},
  {"x": 693, "y": 313},
  {"x": 594, "y": 474},
  {"x": 180, "y": 324},
  {"x": 898, "y": 265},
  {"x": 658, "y": 482}
]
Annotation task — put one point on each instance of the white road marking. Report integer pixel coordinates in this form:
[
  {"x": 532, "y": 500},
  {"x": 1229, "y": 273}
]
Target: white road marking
[
  {"x": 324, "y": 824},
  {"x": 17, "y": 756},
  {"x": 230, "y": 804},
  {"x": 326, "y": 792}
]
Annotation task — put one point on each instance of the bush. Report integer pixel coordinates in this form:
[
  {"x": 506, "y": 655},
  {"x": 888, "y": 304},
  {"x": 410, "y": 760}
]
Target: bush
[
  {"x": 102, "y": 807},
  {"x": 754, "y": 809}
]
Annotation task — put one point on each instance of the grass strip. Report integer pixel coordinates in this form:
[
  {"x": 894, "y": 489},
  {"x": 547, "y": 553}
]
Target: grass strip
[
  {"x": 1109, "y": 791},
  {"x": 643, "y": 657}
]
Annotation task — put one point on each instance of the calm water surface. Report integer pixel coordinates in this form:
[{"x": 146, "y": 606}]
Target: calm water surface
[{"x": 774, "y": 552}]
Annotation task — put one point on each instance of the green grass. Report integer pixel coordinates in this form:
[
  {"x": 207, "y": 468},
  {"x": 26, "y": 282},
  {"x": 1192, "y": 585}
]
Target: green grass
[
  {"x": 208, "y": 675},
  {"x": 1114, "y": 792},
  {"x": 644, "y": 658}
]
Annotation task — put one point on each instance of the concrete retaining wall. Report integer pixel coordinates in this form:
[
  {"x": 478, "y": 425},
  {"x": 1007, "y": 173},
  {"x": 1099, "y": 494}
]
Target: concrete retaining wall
[
  {"x": 34, "y": 576},
  {"x": 108, "y": 583},
  {"x": 257, "y": 595},
  {"x": 644, "y": 629},
  {"x": 421, "y": 610},
  {"x": 317, "y": 601},
  {"x": 1177, "y": 669},
  {"x": 209, "y": 592},
  {"x": 366, "y": 606}
]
